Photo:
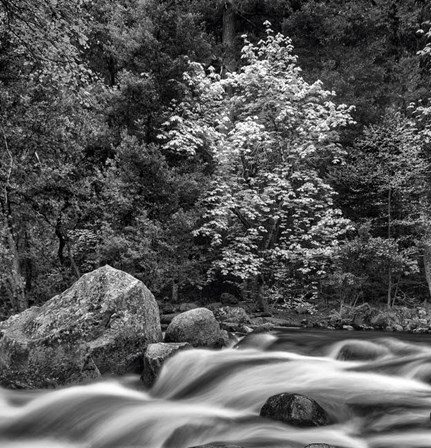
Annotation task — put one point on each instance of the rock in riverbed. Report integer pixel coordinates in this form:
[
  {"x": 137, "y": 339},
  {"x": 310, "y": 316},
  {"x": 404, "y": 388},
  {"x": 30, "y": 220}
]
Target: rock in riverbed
[
  {"x": 198, "y": 327},
  {"x": 217, "y": 445},
  {"x": 357, "y": 350},
  {"x": 156, "y": 355},
  {"x": 295, "y": 410},
  {"x": 102, "y": 324},
  {"x": 319, "y": 445}
]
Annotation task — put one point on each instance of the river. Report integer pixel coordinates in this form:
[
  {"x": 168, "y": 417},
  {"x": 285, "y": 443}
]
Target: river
[{"x": 202, "y": 396}]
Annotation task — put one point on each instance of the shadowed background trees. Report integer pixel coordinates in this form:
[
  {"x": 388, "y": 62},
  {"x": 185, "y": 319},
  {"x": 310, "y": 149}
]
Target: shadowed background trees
[{"x": 148, "y": 135}]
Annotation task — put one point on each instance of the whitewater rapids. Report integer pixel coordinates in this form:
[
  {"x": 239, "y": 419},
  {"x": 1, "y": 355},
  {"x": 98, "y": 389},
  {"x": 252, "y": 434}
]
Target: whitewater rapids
[{"x": 205, "y": 396}]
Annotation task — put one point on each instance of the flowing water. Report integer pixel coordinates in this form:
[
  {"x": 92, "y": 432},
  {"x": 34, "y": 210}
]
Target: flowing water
[{"x": 202, "y": 396}]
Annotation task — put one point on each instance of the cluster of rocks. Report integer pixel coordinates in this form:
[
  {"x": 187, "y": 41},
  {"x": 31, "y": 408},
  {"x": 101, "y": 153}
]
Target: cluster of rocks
[
  {"x": 367, "y": 317},
  {"x": 108, "y": 322},
  {"x": 233, "y": 316}
]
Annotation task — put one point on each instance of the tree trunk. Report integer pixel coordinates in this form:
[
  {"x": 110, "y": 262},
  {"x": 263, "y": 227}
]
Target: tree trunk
[
  {"x": 389, "y": 294},
  {"x": 64, "y": 243},
  {"x": 15, "y": 279},
  {"x": 174, "y": 297},
  {"x": 259, "y": 294},
  {"x": 16, "y": 283},
  {"x": 427, "y": 262},
  {"x": 229, "y": 59},
  {"x": 389, "y": 298},
  {"x": 27, "y": 263}
]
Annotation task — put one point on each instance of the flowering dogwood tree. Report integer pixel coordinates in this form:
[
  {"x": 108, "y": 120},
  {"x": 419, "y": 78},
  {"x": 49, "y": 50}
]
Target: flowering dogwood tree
[{"x": 270, "y": 213}]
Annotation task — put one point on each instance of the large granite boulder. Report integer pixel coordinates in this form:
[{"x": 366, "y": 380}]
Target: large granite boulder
[
  {"x": 155, "y": 356},
  {"x": 100, "y": 325},
  {"x": 198, "y": 327},
  {"x": 295, "y": 410}
]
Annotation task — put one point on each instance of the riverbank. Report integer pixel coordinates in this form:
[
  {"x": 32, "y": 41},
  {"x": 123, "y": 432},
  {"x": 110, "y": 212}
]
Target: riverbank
[{"x": 243, "y": 317}]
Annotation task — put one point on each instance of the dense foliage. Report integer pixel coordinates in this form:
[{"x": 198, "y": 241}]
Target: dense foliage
[{"x": 199, "y": 146}]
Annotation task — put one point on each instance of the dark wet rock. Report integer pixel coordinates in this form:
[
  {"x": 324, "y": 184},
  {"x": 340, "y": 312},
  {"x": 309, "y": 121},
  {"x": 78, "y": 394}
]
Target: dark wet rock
[
  {"x": 319, "y": 445},
  {"x": 155, "y": 356},
  {"x": 166, "y": 308},
  {"x": 358, "y": 350},
  {"x": 295, "y": 410},
  {"x": 102, "y": 324},
  {"x": 217, "y": 445},
  {"x": 167, "y": 318},
  {"x": 186, "y": 307},
  {"x": 198, "y": 327},
  {"x": 228, "y": 299},
  {"x": 232, "y": 314}
]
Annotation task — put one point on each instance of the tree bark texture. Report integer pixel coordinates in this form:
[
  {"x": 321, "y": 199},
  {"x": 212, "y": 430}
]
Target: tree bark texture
[
  {"x": 15, "y": 279},
  {"x": 427, "y": 262},
  {"x": 229, "y": 60},
  {"x": 64, "y": 243}
]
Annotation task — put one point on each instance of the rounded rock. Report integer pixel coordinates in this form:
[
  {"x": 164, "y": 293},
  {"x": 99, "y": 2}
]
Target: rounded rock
[
  {"x": 319, "y": 445},
  {"x": 198, "y": 327},
  {"x": 294, "y": 409},
  {"x": 357, "y": 350}
]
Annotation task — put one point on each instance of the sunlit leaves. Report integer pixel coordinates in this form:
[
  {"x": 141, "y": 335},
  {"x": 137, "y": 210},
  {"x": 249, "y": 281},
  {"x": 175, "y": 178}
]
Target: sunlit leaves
[{"x": 269, "y": 212}]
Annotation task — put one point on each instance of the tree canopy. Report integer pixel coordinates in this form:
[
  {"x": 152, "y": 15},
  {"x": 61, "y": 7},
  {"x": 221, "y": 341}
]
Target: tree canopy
[{"x": 276, "y": 149}]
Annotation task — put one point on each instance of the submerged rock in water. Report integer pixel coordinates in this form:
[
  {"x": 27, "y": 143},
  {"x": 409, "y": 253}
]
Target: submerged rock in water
[
  {"x": 217, "y": 445},
  {"x": 102, "y": 324},
  {"x": 198, "y": 327},
  {"x": 295, "y": 410},
  {"x": 319, "y": 445},
  {"x": 358, "y": 350},
  {"x": 155, "y": 355}
]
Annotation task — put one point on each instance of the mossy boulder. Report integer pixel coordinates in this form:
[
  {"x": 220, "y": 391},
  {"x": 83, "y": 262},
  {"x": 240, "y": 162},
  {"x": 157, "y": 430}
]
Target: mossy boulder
[{"x": 100, "y": 325}]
